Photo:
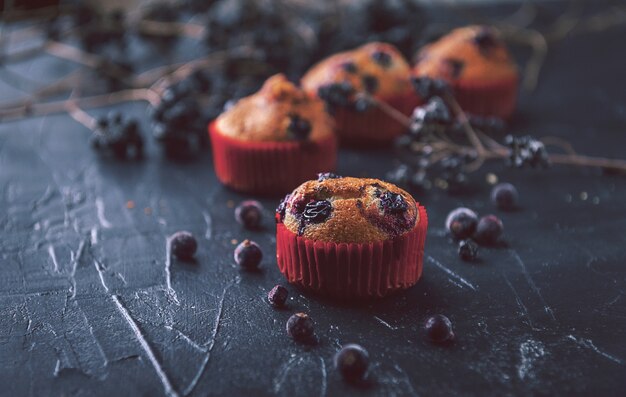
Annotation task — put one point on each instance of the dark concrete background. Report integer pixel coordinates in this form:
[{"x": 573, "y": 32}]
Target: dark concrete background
[{"x": 89, "y": 307}]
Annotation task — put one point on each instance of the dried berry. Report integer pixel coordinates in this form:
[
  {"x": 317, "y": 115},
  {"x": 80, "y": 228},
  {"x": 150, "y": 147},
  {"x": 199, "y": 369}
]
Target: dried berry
[
  {"x": 183, "y": 245},
  {"x": 468, "y": 250},
  {"x": 427, "y": 87},
  {"x": 300, "y": 327},
  {"x": 278, "y": 296},
  {"x": 322, "y": 176},
  {"x": 439, "y": 328},
  {"x": 504, "y": 196},
  {"x": 299, "y": 128},
  {"x": 249, "y": 214},
  {"x": 461, "y": 223},
  {"x": 352, "y": 362},
  {"x": 382, "y": 58},
  {"x": 393, "y": 203},
  {"x": 317, "y": 211},
  {"x": 488, "y": 230},
  {"x": 248, "y": 254},
  {"x": 526, "y": 150}
]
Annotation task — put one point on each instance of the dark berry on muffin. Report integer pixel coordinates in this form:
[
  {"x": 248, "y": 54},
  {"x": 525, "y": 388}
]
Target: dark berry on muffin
[
  {"x": 370, "y": 83},
  {"x": 349, "y": 67},
  {"x": 282, "y": 206},
  {"x": 393, "y": 203},
  {"x": 382, "y": 58},
  {"x": 317, "y": 211},
  {"x": 299, "y": 128},
  {"x": 322, "y": 176}
]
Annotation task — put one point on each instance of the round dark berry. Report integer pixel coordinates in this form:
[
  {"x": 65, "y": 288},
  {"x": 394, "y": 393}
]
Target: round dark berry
[
  {"x": 468, "y": 250},
  {"x": 488, "y": 230},
  {"x": 248, "y": 254},
  {"x": 278, "y": 296},
  {"x": 299, "y": 128},
  {"x": 370, "y": 83},
  {"x": 317, "y": 211},
  {"x": 352, "y": 362},
  {"x": 393, "y": 203},
  {"x": 504, "y": 196},
  {"x": 485, "y": 38},
  {"x": 300, "y": 327},
  {"x": 282, "y": 207},
  {"x": 461, "y": 223},
  {"x": 427, "y": 87},
  {"x": 322, "y": 176},
  {"x": 349, "y": 67},
  {"x": 183, "y": 245},
  {"x": 249, "y": 214},
  {"x": 439, "y": 328},
  {"x": 382, "y": 58}
]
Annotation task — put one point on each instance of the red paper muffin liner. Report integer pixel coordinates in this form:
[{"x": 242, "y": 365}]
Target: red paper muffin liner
[
  {"x": 269, "y": 167},
  {"x": 352, "y": 270},
  {"x": 373, "y": 127},
  {"x": 494, "y": 99}
]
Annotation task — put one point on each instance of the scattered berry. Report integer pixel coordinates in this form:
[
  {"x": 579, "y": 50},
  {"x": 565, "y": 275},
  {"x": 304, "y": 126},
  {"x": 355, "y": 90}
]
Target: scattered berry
[
  {"x": 249, "y": 214},
  {"x": 248, "y": 254},
  {"x": 526, "y": 150},
  {"x": 352, "y": 362},
  {"x": 183, "y": 245},
  {"x": 461, "y": 223},
  {"x": 118, "y": 137},
  {"x": 278, "y": 296},
  {"x": 468, "y": 250},
  {"x": 489, "y": 229},
  {"x": 504, "y": 196},
  {"x": 439, "y": 328},
  {"x": 300, "y": 327}
]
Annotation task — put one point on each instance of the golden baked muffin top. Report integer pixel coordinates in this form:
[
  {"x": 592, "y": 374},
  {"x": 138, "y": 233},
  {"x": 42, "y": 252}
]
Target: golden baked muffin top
[
  {"x": 375, "y": 68},
  {"x": 472, "y": 54},
  {"x": 278, "y": 112},
  {"x": 348, "y": 210}
]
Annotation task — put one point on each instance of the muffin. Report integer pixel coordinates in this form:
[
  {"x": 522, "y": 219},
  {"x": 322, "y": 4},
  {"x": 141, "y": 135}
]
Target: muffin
[
  {"x": 273, "y": 140},
  {"x": 350, "y": 238},
  {"x": 477, "y": 65},
  {"x": 377, "y": 69}
]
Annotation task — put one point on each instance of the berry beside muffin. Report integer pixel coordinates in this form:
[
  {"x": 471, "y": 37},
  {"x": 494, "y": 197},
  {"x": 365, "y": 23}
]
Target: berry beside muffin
[
  {"x": 376, "y": 69},
  {"x": 350, "y": 237},
  {"x": 477, "y": 65},
  {"x": 273, "y": 140}
]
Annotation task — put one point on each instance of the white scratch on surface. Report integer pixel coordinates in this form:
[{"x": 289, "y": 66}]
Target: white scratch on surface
[
  {"x": 94, "y": 235},
  {"x": 386, "y": 324},
  {"x": 532, "y": 284},
  {"x": 168, "y": 274},
  {"x": 209, "y": 225},
  {"x": 53, "y": 257},
  {"x": 282, "y": 375},
  {"x": 167, "y": 385},
  {"x": 100, "y": 269},
  {"x": 588, "y": 343},
  {"x": 530, "y": 351},
  {"x": 75, "y": 260},
  {"x": 324, "y": 377},
  {"x": 187, "y": 339},
  {"x": 453, "y": 274},
  {"x": 100, "y": 211},
  {"x": 208, "y": 345},
  {"x": 520, "y": 303}
]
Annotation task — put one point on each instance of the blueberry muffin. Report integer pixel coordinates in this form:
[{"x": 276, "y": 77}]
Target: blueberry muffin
[
  {"x": 350, "y": 237},
  {"x": 376, "y": 69},
  {"x": 273, "y": 140},
  {"x": 477, "y": 64}
]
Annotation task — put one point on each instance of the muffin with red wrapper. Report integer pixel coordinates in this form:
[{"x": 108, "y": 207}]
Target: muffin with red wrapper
[
  {"x": 344, "y": 79},
  {"x": 273, "y": 140},
  {"x": 350, "y": 238},
  {"x": 478, "y": 67}
]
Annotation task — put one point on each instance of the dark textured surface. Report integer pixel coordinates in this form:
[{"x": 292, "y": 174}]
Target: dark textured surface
[{"x": 90, "y": 305}]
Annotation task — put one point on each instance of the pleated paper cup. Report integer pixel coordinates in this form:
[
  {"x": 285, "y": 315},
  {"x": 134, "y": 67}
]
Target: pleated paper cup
[{"x": 353, "y": 270}]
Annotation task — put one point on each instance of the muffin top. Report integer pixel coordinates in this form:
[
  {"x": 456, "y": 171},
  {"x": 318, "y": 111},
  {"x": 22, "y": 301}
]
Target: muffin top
[
  {"x": 348, "y": 210},
  {"x": 473, "y": 53},
  {"x": 279, "y": 112},
  {"x": 375, "y": 68}
]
